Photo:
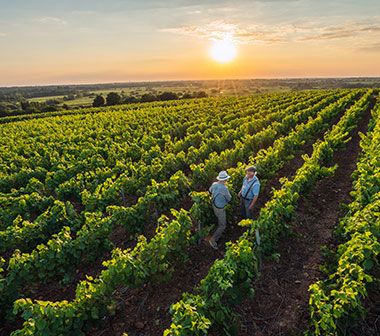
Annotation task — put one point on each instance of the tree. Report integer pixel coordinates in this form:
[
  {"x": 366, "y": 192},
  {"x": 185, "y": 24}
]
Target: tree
[
  {"x": 30, "y": 107},
  {"x": 168, "y": 95},
  {"x": 4, "y": 109},
  {"x": 200, "y": 94},
  {"x": 113, "y": 98},
  {"x": 148, "y": 97},
  {"x": 98, "y": 101},
  {"x": 187, "y": 95},
  {"x": 130, "y": 99},
  {"x": 49, "y": 108}
]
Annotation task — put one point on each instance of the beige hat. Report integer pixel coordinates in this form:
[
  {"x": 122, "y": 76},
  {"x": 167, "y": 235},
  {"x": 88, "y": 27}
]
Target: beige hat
[{"x": 223, "y": 176}]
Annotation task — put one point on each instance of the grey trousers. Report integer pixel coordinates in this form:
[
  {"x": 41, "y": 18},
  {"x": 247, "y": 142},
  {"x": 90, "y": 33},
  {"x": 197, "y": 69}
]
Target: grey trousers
[
  {"x": 244, "y": 205},
  {"x": 222, "y": 222}
]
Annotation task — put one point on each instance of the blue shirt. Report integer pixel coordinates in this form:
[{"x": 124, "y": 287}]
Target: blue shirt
[
  {"x": 220, "y": 194},
  {"x": 253, "y": 191}
]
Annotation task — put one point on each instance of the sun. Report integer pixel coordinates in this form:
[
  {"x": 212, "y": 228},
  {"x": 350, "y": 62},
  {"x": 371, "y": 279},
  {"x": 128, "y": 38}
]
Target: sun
[{"x": 223, "y": 51}]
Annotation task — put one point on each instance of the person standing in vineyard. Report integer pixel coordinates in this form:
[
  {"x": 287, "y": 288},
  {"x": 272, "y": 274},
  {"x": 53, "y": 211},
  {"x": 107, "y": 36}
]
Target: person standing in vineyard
[
  {"x": 249, "y": 193},
  {"x": 220, "y": 197}
]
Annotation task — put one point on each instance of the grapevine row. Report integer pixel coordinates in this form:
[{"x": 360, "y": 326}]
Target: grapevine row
[
  {"x": 332, "y": 111},
  {"x": 229, "y": 280},
  {"x": 339, "y": 300}
]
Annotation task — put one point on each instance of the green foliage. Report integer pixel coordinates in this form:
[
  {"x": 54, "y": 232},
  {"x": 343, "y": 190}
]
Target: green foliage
[
  {"x": 151, "y": 262},
  {"x": 129, "y": 165},
  {"x": 24, "y": 235},
  {"x": 98, "y": 101},
  {"x": 226, "y": 284},
  {"x": 229, "y": 279},
  {"x": 337, "y": 302},
  {"x": 113, "y": 98}
]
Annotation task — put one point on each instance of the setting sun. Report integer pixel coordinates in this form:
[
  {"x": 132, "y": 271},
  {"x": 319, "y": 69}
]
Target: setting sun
[{"x": 223, "y": 51}]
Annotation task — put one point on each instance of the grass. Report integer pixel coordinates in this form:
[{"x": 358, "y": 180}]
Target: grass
[{"x": 43, "y": 99}]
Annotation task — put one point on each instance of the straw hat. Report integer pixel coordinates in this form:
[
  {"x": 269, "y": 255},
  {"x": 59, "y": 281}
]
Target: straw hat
[{"x": 223, "y": 176}]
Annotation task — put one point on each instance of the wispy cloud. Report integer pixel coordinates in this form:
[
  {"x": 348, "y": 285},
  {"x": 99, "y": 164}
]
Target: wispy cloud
[
  {"x": 341, "y": 31},
  {"x": 371, "y": 47},
  {"x": 3, "y": 34},
  {"x": 50, "y": 20},
  {"x": 218, "y": 30},
  {"x": 265, "y": 34},
  {"x": 196, "y": 11}
]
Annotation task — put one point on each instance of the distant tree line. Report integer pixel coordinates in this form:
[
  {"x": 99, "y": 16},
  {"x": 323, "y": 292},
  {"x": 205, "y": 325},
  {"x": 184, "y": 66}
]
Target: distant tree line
[
  {"x": 50, "y": 105},
  {"x": 113, "y": 98},
  {"x": 13, "y": 103},
  {"x": 27, "y": 107},
  {"x": 15, "y": 93},
  {"x": 15, "y": 106}
]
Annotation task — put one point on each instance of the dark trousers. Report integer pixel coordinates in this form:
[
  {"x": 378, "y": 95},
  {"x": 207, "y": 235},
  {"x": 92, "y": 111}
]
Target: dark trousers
[{"x": 245, "y": 213}]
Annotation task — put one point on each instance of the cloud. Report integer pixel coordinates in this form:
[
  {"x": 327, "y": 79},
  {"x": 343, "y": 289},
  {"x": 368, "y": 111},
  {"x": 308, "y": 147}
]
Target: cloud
[
  {"x": 3, "y": 34},
  {"x": 372, "y": 47},
  {"x": 265, "y": 34},
  {"x": 51, "y": 20},
  {"x": 218, "y": 30},
  {"x": 341, "y": 31}
]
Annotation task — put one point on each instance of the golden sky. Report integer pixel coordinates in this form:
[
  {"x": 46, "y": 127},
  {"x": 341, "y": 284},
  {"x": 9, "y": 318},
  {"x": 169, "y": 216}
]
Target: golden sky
[{"x": 83, "y": 41}]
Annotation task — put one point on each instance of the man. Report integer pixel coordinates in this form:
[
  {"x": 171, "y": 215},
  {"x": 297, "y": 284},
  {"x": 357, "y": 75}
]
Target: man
[
  {"x": 249, "y": 193},
  {"x": 220, "y": 197}
]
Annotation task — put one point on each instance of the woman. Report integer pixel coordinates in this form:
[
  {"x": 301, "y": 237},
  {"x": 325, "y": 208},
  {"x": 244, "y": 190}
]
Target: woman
[
  {"x": 249, "y": 193},
  {"x": 220, "y": 197}
]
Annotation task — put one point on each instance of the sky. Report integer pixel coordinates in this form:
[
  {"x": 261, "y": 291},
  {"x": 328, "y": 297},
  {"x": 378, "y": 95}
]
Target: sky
[{"x": 94, "y": 41}]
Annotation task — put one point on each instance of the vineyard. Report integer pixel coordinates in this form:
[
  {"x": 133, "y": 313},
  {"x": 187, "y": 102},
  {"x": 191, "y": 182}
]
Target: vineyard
[{"x": 105, "y": 215}]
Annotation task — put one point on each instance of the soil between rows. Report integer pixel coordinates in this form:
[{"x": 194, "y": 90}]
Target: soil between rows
[{"x": 280, "y": 305}]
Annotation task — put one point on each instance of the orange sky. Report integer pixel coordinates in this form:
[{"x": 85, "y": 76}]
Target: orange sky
[{"x": 55, "y": 42}]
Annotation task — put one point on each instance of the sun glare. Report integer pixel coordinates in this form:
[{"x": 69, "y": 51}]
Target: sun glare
[{"x": 223, "y": 51}]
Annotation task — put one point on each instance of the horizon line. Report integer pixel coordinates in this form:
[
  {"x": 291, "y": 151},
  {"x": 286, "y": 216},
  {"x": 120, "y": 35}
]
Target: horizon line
[{"x": 189, "y": 80}]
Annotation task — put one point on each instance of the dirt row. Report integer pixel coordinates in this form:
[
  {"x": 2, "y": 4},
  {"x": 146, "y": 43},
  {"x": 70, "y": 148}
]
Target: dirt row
[{"x": 280, "y": 305}]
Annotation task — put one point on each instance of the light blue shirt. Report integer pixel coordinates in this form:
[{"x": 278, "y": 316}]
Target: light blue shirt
[
  {"x": 253, "y": 191},
  {"x": 220, "y": 194}
]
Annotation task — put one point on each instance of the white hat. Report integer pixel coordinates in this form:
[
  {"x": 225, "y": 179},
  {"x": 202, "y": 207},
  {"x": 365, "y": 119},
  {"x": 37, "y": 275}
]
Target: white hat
[{"x": 223, "y": 176}]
